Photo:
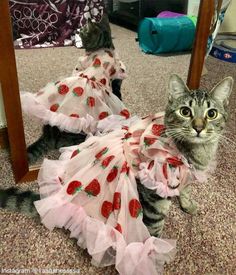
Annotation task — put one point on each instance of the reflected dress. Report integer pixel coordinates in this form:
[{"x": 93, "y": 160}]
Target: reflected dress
[{"x": 76, "y": 103}]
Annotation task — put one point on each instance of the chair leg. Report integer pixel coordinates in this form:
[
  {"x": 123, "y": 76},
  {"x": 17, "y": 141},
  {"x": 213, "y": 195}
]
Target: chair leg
[{"x": 205, "y": 15}]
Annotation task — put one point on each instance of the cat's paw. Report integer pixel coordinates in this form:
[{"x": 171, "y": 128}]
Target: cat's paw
[
  {"x": 163, "y": 206},
  {"x": 189, "y": 206}
]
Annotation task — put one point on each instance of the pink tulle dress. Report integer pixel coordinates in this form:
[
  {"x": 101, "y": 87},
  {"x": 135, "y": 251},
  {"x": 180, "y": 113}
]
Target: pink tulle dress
[
  {"x": 92, "y": 191},
  {"x": 78, "y": 102}
]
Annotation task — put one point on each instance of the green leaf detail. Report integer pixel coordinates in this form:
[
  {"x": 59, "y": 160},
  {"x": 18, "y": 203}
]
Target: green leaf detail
[{"x": 78, "y": 189}]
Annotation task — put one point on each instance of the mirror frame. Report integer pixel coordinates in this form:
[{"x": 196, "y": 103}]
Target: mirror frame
[
  {"x": 10, "y": 87},
  {"x": 10, "y": 92}
]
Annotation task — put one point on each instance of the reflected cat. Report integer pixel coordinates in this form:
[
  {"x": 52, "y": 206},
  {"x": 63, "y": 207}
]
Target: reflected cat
[{"x": 71, "y": 107}]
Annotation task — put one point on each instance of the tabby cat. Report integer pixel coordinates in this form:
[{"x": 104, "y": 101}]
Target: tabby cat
[
  {"x": 94, "y": 36},
  {"x": 195, "y": 120}
]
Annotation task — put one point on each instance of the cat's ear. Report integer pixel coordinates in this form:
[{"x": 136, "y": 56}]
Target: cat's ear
[
  {"x": 105, "y": 17},
  {"x": 222, "y": 90},
  {"x": 177, "y": 87}
]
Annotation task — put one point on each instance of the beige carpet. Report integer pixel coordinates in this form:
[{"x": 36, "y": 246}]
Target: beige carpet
[{"x": 205, "y": 242}]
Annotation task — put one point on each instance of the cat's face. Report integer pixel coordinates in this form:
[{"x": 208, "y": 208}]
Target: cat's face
[
  {"x": 96, "y": 35},
  {"x": 197, "y": 116}
]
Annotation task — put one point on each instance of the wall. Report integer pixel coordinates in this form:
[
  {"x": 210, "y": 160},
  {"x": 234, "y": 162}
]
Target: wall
[
  {"x": 229, "y": 23},
  {"x": 193, "y": 6}
]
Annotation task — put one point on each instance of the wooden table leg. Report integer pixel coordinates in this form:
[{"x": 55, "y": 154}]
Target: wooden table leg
[{"x": 205, "y": 15}]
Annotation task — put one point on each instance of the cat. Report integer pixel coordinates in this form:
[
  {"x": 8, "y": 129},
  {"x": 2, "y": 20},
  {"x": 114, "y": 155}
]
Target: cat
[
  {"x": 195, "y": 120},
  {"x": 94, "y": 36}
]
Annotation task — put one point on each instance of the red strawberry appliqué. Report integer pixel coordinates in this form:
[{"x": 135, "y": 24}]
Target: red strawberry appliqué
[
  {"x": 63, "y": 89},
  {"x": 97, "y": 62},
  {"x": 112, "y": 71},
  {"x": 116, "y": 201},
  {"x": 103, "y": 81},
  {"x": 106, "y": 161},
  {"x": 125, "y": 128},
  {"x": 118, "y": 228},
  {"x": 106, "y": 209},
  {"x": 101, "y": 153},
  {"x": 128, "y": 135},
  {"x": 91, "y": 101},
  {"x": 78, "y": 91},
  {"x": 93, "y": 188},
  {"x": 157, "y": 129},
  {"x": 73, "y": 187},
  {"x": 164, "y": 170},
  {"x": 76, "y": 152},
  {"x": 150, "y": 165},
  {"x": 102, "y": 115},
  {"x": 113, "y": 174},
  {"x": 174, "y": 161},
  {"x": 54, "y": 107},
  {"x": 135, "y": 208},
  {"x": 74, "y": 115},
  {"x": 148, "y": 141},
  {"x": 125, "y": 168},
  {"x": 125, "y": 113}
]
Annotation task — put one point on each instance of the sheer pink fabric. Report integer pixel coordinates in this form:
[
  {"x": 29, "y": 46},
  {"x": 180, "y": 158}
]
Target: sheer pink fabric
[
  {"x": 91, "y": 190},
  {"x": 76, "y": 103}
]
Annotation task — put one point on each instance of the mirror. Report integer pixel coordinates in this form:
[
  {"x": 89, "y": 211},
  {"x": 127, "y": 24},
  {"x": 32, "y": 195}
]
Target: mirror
[{"x": 45, "y": 72}]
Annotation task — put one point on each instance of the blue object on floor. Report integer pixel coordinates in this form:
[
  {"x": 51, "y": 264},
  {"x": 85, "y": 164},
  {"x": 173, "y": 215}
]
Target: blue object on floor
[
  {"x": 166, "y": 35},
  {"x": 221, "y": 50}
]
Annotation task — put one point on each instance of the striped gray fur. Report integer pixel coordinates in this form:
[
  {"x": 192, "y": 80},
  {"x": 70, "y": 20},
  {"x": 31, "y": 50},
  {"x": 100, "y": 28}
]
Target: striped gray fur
[
  {"x": 19, "y": 201},
  {"x": 189, "y": 123},
  {"x": 52, "y": 138},
  {"x": 97, "y": 35}
]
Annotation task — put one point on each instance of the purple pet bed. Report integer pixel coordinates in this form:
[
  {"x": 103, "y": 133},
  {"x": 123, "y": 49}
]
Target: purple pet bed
[{"x": 169, "y": 14}]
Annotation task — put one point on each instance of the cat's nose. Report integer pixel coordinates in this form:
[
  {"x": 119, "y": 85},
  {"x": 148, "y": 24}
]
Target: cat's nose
[
  {"x": 198, "y": 129},
  {"x": 198, "y": 125}
]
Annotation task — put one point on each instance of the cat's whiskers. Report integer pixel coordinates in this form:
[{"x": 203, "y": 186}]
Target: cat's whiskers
[{"x": 176, "y": 134}]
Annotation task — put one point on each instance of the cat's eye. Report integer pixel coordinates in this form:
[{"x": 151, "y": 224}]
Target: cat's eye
[
  {"x": 185, "y": 111},
  {"x": 212, "y": 114}
]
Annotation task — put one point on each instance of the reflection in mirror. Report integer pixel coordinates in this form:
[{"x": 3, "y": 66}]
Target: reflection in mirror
[
  {"x": 38, "y": 67},
  {"x": 147, "y": 75}
]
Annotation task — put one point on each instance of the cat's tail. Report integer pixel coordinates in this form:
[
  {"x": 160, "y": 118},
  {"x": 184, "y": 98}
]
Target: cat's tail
[{"x": 19, "y": 201}]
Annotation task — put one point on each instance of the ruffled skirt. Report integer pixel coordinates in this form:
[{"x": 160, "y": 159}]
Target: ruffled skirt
[
  {"x": 92, "y": 191},
  {"x": 73, "y": 104}
]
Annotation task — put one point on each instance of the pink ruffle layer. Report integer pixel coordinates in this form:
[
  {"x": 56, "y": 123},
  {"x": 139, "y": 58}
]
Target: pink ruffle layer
[
  {"x": 105, "y": 244},
  {"x": 74, "y": 125},
  {"x": 147, "y": 178}
]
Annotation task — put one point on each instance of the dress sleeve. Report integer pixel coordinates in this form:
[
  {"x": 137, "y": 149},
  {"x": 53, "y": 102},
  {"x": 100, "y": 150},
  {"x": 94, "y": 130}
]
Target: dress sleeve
[
  {"x": 163, "y": 169},
  {"x": 81, "y": 65},
  {"x": 119, "y": 69}
]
